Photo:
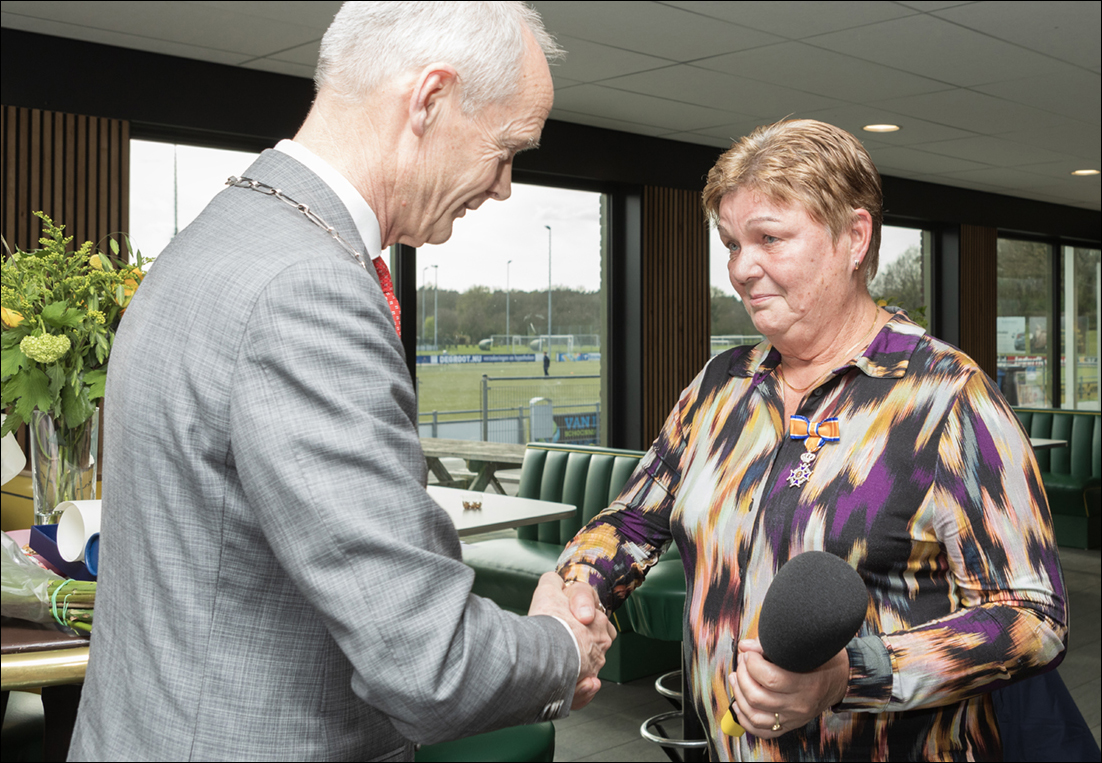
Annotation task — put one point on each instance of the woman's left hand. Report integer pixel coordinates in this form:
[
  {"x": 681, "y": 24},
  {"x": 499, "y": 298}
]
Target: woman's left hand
[{"x": 770, "y": 701}]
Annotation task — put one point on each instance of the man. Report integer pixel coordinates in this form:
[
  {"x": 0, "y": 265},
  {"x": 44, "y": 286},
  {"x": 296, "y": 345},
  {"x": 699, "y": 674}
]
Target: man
[{"x": 275, "y": 580}]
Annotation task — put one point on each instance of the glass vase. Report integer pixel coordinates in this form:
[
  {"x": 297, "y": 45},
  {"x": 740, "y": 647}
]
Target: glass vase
[{"x": 63, "y": 463}]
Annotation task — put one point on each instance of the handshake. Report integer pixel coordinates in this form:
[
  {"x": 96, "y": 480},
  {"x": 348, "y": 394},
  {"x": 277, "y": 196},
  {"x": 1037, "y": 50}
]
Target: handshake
[{"x": 578, "y": 607}]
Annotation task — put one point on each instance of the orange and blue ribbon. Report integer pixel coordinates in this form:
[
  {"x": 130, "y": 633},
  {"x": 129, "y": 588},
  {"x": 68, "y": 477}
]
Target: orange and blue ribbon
[{"x": 814, "y": 433}]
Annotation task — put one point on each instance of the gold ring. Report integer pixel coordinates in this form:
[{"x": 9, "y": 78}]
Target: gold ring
[{"x": 776, "y": 722}]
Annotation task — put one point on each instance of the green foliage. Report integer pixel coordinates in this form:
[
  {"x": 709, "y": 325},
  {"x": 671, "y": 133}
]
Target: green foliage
[
  {"x": 900, "y": 284},
  {"x": 60, "y": 310}
]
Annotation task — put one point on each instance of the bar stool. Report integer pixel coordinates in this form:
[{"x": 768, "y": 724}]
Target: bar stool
[{"x": 656, "y": 609}]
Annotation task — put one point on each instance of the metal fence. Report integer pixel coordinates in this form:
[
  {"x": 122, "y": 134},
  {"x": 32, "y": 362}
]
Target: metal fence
[{"x": 520, "y": 409}]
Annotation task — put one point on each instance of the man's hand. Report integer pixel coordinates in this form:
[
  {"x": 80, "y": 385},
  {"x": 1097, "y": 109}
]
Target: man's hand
[
  {"x": 770, "y": 701},
  {"x": 590, "y": 626}
]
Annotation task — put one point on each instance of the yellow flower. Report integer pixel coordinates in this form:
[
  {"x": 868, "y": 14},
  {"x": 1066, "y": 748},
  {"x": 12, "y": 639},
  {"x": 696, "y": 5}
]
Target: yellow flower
[{"x": 10, "y": 318}]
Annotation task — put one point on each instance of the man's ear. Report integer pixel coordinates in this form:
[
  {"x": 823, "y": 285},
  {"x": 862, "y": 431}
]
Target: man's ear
[{"x": 436, "y": 85}]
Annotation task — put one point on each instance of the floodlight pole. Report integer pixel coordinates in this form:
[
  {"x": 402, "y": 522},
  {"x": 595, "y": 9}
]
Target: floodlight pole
[
  {"x": 548, "y": 286},
  {"x": 507, "y": 293},
  {"x": 435, "y": 308}
]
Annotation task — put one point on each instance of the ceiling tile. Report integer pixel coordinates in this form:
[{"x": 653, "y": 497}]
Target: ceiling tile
[
  {"x": 701, "y": 139},
  {"x": 1072, "y": 92},
  {"x": 1003, "y": 177},
  {"x": 1060, "y": 170},
  {"x": 927, "y": 6},
  {"x": 280, "y": 67},
  {"x": 1075, "y": 194},
  {"x": 915, "y": 130},
  {"x": 728, "y": 133},
  {"x": 915, "y": 160},
  {"x": 120, "y": 39},
  {"x": 649, "y": 28},
  {"x": 993, "y": 151},
  {"x": 589, "y": 61},
  {"x": 1068, "y": 31},
  {"x": 610, "y": 124},
  {"x": 305, "y": 55},
  {"x": 317, "y": 14},
  {"x": 210, "y": 27},
  {"x": 815, "y": 70},
  {"x": 969, "y": 110},
  {"x": 1072, "y": 138},
  {"x": 703, "y": 87},
  {"x": 794, "y": 20},
  {"x": 640, "y": 109},
  {"x": 561, "y": 82},
  {"x": 931, "y": 47}
]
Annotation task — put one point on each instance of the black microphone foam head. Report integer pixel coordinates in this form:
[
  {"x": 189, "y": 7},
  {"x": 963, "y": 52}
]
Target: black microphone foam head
[{"x": 814, "y": 606}]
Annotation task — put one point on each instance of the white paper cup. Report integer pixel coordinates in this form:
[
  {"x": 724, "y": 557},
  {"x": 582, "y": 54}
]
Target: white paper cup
[{"x": 79, "y": 521}]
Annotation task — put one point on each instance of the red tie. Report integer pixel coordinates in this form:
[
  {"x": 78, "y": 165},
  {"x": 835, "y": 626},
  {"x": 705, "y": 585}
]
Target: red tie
[{"x": 388, "y": 292}]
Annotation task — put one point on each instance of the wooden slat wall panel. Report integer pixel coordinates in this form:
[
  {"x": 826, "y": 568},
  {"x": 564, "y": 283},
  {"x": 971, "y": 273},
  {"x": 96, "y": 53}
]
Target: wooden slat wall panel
[
  {"x": 676, "y": 299},
  {"x": 74, "y": 168},
  {"x": 979, "y": 295}
]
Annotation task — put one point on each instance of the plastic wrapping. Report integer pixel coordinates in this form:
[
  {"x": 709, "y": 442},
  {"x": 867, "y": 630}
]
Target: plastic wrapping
[{"x": 24, "y": 591}]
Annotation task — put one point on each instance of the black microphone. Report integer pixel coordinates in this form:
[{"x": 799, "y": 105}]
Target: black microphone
[{"x": 814, "y": 606}]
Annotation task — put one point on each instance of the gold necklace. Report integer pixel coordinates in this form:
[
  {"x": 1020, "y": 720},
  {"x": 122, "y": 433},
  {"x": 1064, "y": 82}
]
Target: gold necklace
[{"x": 798, "y": 390}]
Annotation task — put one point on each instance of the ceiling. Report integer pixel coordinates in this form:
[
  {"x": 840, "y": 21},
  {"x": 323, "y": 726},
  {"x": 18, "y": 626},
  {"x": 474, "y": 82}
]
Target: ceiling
[{"x": 1004, "y": 97}]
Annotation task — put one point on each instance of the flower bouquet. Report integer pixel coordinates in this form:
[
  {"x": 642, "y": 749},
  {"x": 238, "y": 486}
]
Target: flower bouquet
[{"x": 60, "y": 310}]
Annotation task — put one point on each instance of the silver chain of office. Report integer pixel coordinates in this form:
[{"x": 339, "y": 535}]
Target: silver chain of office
[{"x": 256, "y": 185}]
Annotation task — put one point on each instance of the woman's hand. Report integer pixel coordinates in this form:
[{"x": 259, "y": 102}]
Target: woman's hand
[{"x": 770, "y": 701}]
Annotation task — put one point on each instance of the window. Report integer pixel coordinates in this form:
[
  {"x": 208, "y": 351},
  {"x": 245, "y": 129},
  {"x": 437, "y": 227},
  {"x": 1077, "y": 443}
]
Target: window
[
  {"x": 731, "y": 324},
  {"x": 903, "y": 274},
  {"x": 171, "y": 184},
  {"x": 1081, "y": 299},
  {"x": 499, "y": 358},
  {"x": 1023, "y": 332}
]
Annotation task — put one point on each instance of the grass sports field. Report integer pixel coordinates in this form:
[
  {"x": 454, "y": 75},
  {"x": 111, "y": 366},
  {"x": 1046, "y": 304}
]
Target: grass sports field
[{"x": 458, "y": 387}]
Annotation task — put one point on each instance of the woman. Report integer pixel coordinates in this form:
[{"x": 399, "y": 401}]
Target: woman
[{"x": 930, "y": 489}]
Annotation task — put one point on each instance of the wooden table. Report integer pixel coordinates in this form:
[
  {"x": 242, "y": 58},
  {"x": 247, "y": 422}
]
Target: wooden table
[
  {"x": 497, "y": 512},
  {"x": 482, "y": 458},
  {"x": 1040, "y": 443}
]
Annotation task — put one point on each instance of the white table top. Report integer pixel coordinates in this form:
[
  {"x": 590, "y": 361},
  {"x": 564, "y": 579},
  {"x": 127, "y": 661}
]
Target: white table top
[
  {"x": 498, "y": 512},
  {"x": 1040, "y": 443}
]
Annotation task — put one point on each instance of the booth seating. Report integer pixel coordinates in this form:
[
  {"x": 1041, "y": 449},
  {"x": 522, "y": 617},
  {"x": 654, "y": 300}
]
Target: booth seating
[
  {"x": 525, "y": 744},
  {"x": 1073, "y": 475},
  {"x": 508, "y": 569}
]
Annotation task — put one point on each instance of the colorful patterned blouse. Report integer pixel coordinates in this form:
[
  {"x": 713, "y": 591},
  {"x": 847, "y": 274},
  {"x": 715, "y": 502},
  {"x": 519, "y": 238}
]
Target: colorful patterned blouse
[{"x": 931, "y": 493}]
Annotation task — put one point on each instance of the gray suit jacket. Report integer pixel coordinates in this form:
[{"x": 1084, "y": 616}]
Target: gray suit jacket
[{"x": 275, "y": 582}]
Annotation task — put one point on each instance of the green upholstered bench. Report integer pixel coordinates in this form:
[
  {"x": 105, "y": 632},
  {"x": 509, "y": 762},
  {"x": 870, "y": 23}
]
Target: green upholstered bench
[
  {"x": 530, "y": 744},
  {"x": 507, "y": 569},
  {"x": 1072, "y": 475}
]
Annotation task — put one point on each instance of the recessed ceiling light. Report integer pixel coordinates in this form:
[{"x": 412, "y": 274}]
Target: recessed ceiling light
[
  {"x": 881, "y": 128},
  {"x": 1083, "y": 173}
]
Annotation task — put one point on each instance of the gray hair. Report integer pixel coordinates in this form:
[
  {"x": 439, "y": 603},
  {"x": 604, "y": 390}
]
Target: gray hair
[{"x": 369, "y": 43}]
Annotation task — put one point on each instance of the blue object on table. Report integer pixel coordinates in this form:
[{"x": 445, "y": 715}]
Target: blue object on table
[
  {"x": 91, "y": 555},
  {"x": 44, "y": 543}
]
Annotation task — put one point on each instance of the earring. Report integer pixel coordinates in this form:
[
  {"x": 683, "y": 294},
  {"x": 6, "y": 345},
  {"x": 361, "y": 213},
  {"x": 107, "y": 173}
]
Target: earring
[{"x": 856, "y": 264}]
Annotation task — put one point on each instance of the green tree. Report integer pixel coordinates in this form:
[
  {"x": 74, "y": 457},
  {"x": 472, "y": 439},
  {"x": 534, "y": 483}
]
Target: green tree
[{"x": 899, "y": 283}]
